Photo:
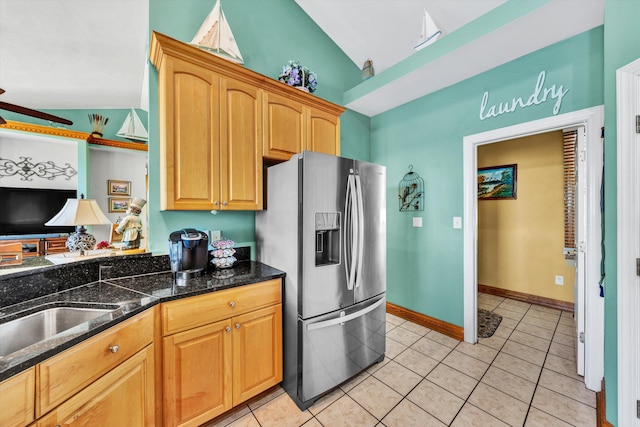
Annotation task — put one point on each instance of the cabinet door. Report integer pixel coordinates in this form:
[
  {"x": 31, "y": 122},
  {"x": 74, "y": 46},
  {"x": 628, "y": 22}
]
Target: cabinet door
[
  {"x": 257, "y": 352},
  {"x": 17, "y": 396},
  {"x": 324, "y": 132},
  {"x": 197, "y": 374},
  {"x": 188, "y": 104},
  {"x": 240, "y": 146},
  {"x": 284, "y": 127},
  {"x": 123, "y": 397}
]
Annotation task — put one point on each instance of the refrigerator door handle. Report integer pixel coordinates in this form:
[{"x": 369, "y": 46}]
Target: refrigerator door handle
[
  {"x": 343, "y": 319},
  {"x": 349, "y": 232},
  {"x": 360, "y": 231}
]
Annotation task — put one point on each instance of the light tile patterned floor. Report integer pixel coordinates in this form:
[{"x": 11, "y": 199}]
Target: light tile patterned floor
[{"x": 524, "y": 375}]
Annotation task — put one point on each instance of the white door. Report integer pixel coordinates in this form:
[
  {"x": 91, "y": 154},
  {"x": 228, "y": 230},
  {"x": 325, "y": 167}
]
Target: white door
[
  {"x": 628, "y": 220},
  {"x": 581, "y": 237}
]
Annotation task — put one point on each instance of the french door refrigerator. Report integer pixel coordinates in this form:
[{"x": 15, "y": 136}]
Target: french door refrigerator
[{"x": 325, "y": 226}]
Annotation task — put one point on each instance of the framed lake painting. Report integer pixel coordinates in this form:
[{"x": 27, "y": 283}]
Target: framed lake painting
[
  {"x": 119, "y": 204},
  {"x": 118, "y": 188},
  {"x": 497, "y": 182}
]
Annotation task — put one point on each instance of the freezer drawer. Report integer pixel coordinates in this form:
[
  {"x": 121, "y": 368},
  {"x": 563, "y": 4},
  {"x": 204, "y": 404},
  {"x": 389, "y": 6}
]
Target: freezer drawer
[{"x": 339, "y": 345}]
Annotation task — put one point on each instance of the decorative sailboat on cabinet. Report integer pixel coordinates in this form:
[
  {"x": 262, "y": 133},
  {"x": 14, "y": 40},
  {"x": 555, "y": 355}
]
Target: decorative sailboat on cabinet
[
  {"x": 429, "y": 34},
  {"x": 216, "y": 37},
  {"x": 133, "y": 129}
]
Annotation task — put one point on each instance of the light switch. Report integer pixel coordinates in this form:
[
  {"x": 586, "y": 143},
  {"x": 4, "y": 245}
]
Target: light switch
[
  {"x": 457, "y": 222},
  {"x": 417, "y": 221}
]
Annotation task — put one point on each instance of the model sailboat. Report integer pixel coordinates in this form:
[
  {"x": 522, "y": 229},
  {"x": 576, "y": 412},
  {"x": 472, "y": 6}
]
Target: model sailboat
[
  {"x": 133, "y": 129},
  {"x": 430, "y": 32},
  {"x": 216, "y": 37}
]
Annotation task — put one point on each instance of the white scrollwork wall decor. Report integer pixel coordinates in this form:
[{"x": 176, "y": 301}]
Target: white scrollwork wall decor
[{"x": 26, "y": 169}]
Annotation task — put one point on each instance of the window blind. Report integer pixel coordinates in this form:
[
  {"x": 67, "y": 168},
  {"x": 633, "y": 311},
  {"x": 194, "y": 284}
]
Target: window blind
[{"x": 569, "y": 159}]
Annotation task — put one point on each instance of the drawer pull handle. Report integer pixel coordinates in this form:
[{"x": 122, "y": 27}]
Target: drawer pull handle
[
  {"x": 237, "y": 325},
  {"x": 114, "y": 348},
  {"x": 232, "y": 304},
  {"x": 228, "y": 329}
]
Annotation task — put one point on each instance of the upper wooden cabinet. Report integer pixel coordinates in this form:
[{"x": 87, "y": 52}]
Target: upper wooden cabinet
[
  {"x": 217, "y": 121},
  {"x": 284, "y": 127},
  {"x": 292, "y": 126},
  {"x": 323, "y": 132},
  {"x": 210, "y": 130}
]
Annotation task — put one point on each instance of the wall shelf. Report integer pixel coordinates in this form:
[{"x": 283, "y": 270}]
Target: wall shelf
[{"x": 67, "y": 133}]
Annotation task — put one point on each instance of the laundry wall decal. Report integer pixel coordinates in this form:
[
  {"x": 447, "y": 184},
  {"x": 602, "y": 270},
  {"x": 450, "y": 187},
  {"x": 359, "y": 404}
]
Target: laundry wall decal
[{"x": 540, "y": 95}]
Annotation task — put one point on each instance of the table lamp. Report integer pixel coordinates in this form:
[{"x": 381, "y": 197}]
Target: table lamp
[{"x": 80, "y": 212}]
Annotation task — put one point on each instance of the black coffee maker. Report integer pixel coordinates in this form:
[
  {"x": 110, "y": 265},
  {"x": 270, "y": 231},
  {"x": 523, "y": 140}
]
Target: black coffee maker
[{"x": 188, "y": 254}]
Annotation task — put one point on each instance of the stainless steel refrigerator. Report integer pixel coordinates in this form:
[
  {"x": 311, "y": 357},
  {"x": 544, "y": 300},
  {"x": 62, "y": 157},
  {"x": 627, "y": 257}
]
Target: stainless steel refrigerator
[{"x": 325, "y": 226}]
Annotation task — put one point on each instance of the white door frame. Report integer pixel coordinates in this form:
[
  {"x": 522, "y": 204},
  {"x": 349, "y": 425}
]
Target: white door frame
[
  {"x": 592, "y": 120},
  {"x": 628, "y": 183}
]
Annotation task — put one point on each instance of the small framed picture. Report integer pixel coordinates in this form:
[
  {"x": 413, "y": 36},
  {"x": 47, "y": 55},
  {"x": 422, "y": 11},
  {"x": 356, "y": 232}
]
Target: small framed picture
[
  {"x": 117, "y": 204},
  {"x": 118, "y": 188}
]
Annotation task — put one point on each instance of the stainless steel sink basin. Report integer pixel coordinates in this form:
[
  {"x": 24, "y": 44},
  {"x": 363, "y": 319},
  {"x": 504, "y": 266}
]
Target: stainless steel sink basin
[{"x": 33, "y": 328}]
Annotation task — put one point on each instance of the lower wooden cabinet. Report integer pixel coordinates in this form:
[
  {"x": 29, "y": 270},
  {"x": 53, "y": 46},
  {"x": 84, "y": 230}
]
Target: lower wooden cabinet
[
  {"x": 257, "y": 352},
  {"x": 17, "y": 398},
  {"x": 197, "y": 374},
  {"x": 203, "y": 356},
  {"x": 69, "y": 372},
  {"x": 123, "y": 397},
  {"x": 211, "y": 368}
]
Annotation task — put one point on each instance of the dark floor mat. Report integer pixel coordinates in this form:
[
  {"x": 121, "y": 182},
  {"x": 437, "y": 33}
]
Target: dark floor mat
[{"x": 488, "y": 322}]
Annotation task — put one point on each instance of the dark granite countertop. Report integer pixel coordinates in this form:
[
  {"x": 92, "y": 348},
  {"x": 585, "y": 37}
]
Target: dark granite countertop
[{"x": 127, "y": 296}]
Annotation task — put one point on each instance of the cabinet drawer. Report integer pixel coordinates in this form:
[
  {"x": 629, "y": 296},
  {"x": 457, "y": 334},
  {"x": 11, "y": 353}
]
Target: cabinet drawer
[
  {"x": 200, "y": 310},
  {"x": 65, "y": 374},
  {"x": 17, "y": 399},
  {"x": 55, "y": 246}
]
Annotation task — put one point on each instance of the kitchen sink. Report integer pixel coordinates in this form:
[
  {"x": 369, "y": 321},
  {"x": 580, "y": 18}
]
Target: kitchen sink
[{"x": 42, "y": 325}]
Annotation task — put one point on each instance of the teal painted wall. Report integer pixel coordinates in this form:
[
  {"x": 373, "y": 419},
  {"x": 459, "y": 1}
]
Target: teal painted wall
[
  {"x": 425, "y": 265},
  {"x": 268, "y": 33},
  {"x": 621, "y": 47}
]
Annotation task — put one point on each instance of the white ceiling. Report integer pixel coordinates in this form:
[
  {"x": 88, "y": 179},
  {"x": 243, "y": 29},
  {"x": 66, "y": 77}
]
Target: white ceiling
[
  {"x": 89, "y": 54},
  {"x": 387, "y": 30},
  {"x": 73, "y": 54}
]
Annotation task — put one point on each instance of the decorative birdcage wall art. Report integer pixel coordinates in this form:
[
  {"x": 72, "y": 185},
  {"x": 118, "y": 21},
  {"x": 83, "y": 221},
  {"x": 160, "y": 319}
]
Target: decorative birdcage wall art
[{"x": 411, "y": 192}]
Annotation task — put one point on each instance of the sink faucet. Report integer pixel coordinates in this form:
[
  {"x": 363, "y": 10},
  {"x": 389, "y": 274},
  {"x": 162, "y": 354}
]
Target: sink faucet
[{"x": 100, "y": 268}]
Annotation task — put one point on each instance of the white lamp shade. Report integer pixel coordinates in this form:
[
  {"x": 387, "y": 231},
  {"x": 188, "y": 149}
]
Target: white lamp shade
[{"x": 79, "y": 212}]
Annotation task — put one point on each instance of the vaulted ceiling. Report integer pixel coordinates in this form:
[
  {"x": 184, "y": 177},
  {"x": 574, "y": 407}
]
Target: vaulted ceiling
[{"x": 70, "y": 54}]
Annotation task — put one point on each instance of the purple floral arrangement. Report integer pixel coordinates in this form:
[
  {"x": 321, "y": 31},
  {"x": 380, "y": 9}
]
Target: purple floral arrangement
[{"x": 295, "y": 74}]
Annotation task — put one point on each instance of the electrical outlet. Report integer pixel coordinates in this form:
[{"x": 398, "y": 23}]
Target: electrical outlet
[
  {"x": 457, "y": 222},
  {"x": 215, "y": 235},
  {"x": 417, "y": 221},
  {"x": 559, "y": 280}
]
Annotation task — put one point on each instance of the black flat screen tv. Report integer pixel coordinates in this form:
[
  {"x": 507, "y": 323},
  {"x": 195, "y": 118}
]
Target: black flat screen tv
[{"x": 25, "y": 210}]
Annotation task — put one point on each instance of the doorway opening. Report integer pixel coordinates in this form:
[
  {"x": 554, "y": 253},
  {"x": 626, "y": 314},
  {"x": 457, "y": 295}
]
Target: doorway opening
[{"x": 589, "y": 216}]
